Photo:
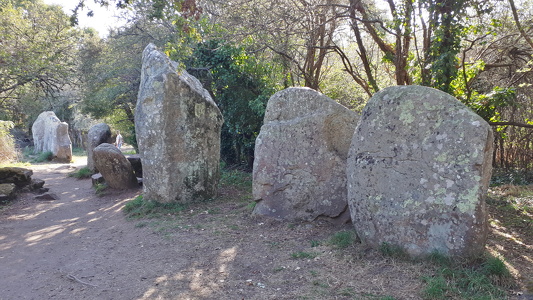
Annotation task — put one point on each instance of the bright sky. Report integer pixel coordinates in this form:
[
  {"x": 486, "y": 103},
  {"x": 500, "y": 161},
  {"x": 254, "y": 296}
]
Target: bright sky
[{"x": 102, "y": 19}]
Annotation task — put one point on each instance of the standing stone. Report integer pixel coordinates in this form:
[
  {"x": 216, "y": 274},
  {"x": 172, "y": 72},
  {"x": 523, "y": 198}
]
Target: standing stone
[
  {"x": 418, "y": 171},
  {"x": 300, "y": 157},
  {"x": 114, "y": 167},
  {"x": 50, "y": 134},
  {"x": 178, "y": 132},
  {"x": 98, "y": 134}
]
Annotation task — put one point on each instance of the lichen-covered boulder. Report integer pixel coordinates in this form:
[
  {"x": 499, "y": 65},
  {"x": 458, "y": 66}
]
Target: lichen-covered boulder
[
  {"x": 21, "y": 177},
  {"x": 299, "y": 169},
  {"x": 114, "y": 167},
  {"x": 7, "y": 191},
  {"x": 98, "y": 134},
  {"x": 418, "y": 171},
  {"x": 178, "y": 132},
  {"x": 50, "y": 134}
]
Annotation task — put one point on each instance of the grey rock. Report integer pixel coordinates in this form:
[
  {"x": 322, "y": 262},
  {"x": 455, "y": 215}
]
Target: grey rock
[
  {"x": 300, "y": 157},
  {"x": 178, "y": 132},
  {"x": 50, "y": 134},
  {"x": 98, "y": 134},
  {"x": 7, "y": 191},
  {"x": 114, "y": 167},
  {"x": 47, "y": 197},
  {"x": 97, "y": 179},
  {"x": 21, "y": 177},
  {"x": 418, "y": 170},
  {"x": 135, "y": 161}
]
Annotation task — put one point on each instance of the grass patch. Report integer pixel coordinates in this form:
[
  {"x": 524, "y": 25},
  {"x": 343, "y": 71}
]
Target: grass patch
[
  {"x": 140, "y": 208},
  {"x": 236, "y": 178},
  {"x": 342, "y": 239},
  {"x": 43, "y": 156},
  {"x": 100, "y": 188},
  {"x": 466, "y": 281},
  {"x": 393, "y": 251},
  {"x": 81, "y": 173},
  {"x": 79, "y": 152},
  {"x": 304, "y": 255}
]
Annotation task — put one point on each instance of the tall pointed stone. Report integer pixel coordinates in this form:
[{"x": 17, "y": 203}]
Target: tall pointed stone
[
  {"x": 178, "y": 132},
  {"x": 418, "y": 171},
  {"x": 50, "y": 134}
]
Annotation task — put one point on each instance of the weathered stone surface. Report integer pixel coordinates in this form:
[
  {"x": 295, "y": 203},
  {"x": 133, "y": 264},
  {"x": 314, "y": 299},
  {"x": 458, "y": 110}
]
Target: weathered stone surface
[
  {"x": 50, "y": 134},
  {"x": 7, "y": 191},
  {"x": 300, "y": 156},
  {"x": 178, "y": 132},
  {"x": 96, "y": 179},
  {"x": 114, "y": 167},
  {"x": 418, "y": 170},
  {"x": 135, "y": 161},
  {"x": 98, "y": 134},
  {"x": 19, "y": 176}
]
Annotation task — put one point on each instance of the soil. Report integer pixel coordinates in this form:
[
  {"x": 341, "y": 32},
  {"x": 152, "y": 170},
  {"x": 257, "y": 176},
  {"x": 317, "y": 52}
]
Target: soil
[{"x": 82, "y": 246}]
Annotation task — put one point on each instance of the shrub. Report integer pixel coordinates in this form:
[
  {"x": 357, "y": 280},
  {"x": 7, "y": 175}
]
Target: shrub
[
  {"x": 8, "y": 151},
  {"x": 81, "y": 173},
  {"x": 342, "y": 239}
]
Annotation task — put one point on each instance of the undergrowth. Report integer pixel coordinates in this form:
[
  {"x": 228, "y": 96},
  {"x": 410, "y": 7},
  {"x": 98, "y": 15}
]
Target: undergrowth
[
  {"x": 81, "y": 173},
  {"x": 485, "y": 278},
  {"x": 140, "y": 208}
]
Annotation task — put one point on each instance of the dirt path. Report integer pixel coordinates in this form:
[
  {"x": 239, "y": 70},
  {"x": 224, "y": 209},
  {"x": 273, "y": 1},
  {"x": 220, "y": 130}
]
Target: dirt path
[{"x": 82, "y": 247}]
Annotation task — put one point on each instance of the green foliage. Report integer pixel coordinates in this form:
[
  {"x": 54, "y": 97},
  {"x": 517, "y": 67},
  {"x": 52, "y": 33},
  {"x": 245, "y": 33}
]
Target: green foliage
[
  {"x": 342, "y": 239},
  {"x": 512, "y": 176},
  {"x": 100, "y": 188},
  {"x": 8, "y": 151},
  {"x": 36, "y": 59},
  {"x": 43, "y": 156},
  {"x": 81, "y": 173},
  {"x": 466, "y": 281},
  {"x": 394, "y": 251},
  {"x": 140, "y": 208},
  {"x": 304, "y": 255},
  {"x": 236, "y": 178},
  {"x": 241, "y": 85}
]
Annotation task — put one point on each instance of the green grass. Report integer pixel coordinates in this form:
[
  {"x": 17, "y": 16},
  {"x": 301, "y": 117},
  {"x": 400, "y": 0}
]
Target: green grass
[
  {"x": 79, "y": 152},
  {"x": 81, "y": 173},
  {"x": 100, "y": 188},
  {"x": 236, "y": 178},
  {"x": 342, "y": 239},
  {"x": 43, "y": 156},
  {"x": 304, "y": 255},
  {"x": 393, "y": 251},
  {"x": 140, "y": 208},
  {"x": 460, "y": 280}
]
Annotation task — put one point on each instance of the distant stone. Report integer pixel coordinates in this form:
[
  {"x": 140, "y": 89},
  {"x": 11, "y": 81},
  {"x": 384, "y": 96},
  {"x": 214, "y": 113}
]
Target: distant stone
[
  {"x": 50, "y": 134},
  {"x": 135, "y": 161},
  {"x": 19, "y": 176},
  {"x": 300, "y": 157},
  {"x": 418, "y": 171},
  {"x": 36, "y": 184},
  {"x": 114, "y": 167},
  {"x": 98, "y": 134},
  {"x": 7, "y": 191},
  {"x": 47, "y": 197},
  {"x": 97, "y": 179},
  {"x": 178, "y": 132}
]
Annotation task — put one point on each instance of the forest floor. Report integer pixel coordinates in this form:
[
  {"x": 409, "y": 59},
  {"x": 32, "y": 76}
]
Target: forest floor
[{"x": 83, "y": 246}]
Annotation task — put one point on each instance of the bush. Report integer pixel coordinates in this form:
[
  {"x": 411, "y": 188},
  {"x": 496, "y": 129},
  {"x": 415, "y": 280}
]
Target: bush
[{"x": 8, "y": 151}]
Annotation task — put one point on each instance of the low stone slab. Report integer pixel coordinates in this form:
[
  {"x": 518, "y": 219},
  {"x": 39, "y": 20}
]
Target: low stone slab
[
  {"x": 418, "y": 171},
  {"x": 7, "y": 191},
  {"x": 299, "y": 169},
  {"x": 47, "y": 197}
]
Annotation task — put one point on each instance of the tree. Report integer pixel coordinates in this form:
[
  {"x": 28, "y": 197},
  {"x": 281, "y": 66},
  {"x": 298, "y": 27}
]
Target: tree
[{"x": 37, "y": 57}]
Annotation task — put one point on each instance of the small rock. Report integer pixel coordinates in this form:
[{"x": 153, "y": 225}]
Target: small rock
[{"x": 47, "y": 197}]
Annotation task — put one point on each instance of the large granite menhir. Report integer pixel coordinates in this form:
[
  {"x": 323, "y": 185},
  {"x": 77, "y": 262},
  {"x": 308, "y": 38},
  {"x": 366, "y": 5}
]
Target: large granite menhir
[
  {"x": 300, "y": 157},
  {"x": 178, "y": 132},
  {"x": 98, "y": 134},
  {"x": 50, "y": 134},
  {"x": 418, "y": 171}
]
